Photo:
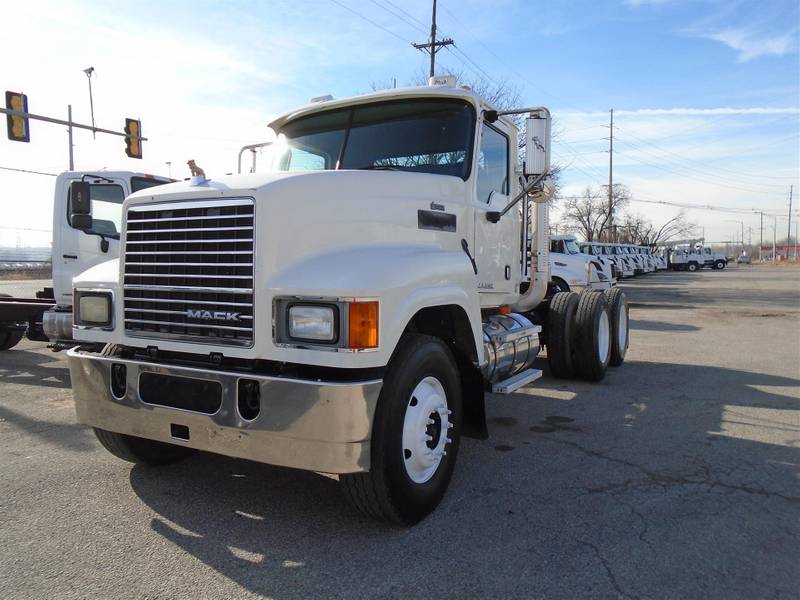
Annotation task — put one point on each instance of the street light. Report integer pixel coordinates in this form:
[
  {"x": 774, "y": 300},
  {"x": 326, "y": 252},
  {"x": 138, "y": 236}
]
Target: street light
[{"x": 89, "y": 72}]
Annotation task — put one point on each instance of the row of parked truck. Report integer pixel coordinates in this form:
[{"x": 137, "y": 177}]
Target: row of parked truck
[{"x": 578, "y": 265}]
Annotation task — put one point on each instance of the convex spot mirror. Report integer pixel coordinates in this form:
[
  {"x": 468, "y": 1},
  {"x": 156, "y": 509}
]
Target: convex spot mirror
[{"x": 80, "y": 216}]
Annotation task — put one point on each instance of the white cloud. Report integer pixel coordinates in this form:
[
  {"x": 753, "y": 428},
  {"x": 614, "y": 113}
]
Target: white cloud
[{"x": 751, "y": 44}]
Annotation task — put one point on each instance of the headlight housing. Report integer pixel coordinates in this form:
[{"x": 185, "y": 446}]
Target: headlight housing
[
  {"x": 93, "y": 309},
  {"x": 338, "y": 324},
  {"x": 314, "y": 323}
]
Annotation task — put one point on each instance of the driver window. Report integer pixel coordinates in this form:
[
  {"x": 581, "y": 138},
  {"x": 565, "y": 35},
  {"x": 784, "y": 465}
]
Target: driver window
[{"x": 492, "y": 163}]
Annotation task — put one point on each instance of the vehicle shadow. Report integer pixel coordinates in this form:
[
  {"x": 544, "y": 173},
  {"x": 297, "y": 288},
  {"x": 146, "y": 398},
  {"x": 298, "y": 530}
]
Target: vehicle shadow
[
  {"x": 661, "y": 326},
  {"x": 605, "y": 484},
  {"x": 32, "y": 368},
  {"x": 72, "y": 437}
]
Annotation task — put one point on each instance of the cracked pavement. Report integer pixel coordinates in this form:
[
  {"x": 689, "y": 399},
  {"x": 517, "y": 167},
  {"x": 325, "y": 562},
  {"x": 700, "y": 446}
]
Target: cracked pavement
[{"x": 675, "y": 477}]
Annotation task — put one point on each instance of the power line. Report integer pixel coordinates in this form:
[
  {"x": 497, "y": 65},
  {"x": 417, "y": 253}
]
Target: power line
[
  {"x": 368, "y": 20},
  {"x": 683, "y": 158},
  {"x": 29, "y": 171}
]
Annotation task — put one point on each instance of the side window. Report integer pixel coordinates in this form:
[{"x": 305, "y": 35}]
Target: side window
[
  {"x": 492, "y": 163},
  {"x": 142, "y": 183},
  {"x": 302, "y": 160},
  {"x": 106, "y": 202}
]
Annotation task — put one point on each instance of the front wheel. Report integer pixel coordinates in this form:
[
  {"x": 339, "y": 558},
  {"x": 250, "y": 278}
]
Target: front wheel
[
  {"x": 10, "y": 337},
  {"x": 140, "y": 450},
  {"x": 415, "y": 435}
]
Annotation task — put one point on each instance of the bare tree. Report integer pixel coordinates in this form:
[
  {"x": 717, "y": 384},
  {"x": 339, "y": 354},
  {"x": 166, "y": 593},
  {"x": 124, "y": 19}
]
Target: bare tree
[
  {"x": 587, "y": 215},
  {"x": 636, "y": 229}
]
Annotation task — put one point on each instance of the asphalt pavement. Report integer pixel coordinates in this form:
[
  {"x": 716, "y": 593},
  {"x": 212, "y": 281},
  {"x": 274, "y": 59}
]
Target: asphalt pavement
[{"x": 675, "y": 477}]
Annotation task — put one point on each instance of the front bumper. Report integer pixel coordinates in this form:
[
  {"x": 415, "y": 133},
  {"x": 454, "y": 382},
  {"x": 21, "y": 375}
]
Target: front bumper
[{"x": 312, "y": 425}]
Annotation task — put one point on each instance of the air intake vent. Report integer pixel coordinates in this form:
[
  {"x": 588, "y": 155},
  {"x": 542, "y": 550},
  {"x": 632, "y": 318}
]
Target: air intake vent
[{"x": 189, "y": 271}]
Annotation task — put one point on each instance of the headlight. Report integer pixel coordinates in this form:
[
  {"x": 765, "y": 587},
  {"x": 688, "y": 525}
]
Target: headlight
[
  {"x": 313, "y": 323},
  {"x": 93, "y": 309}
]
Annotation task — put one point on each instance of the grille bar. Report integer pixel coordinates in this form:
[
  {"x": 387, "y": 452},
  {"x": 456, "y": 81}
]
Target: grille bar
[{"x": 174, "y": 288}]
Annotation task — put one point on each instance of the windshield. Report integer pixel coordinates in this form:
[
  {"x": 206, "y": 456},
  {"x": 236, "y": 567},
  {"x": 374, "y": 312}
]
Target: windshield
[
  {"x": 572, "y": 247},
  {"x": 418, "y": 135}
]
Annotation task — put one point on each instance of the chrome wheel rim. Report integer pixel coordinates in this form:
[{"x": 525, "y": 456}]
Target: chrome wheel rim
[
  {"x": 622, "y": 329},
  {"x": 425, "y": 430},
  {"x": 603, "y": 337}
]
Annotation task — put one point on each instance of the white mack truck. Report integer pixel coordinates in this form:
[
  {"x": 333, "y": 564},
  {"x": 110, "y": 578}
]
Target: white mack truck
[
  {"x": 78, "y": 244},
  {"x": 345, "y": 313}
]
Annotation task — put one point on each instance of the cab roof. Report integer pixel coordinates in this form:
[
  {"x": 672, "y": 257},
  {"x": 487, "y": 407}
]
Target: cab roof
[{"x": 393, "y": 94}]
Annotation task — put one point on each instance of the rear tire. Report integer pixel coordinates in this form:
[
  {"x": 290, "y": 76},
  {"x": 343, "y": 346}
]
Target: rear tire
[
  {"x": 720, "y": 264},
  {"x": 558, "y": 285},
  {"x": 620, "y": 329},
  {"x": 140, "y": 450},
  {"x": 691, "y": 267},
  {"x": 593, "y": 337},
  {"x": 560, "y": 333},
  {"x": 415, "y": 435}
]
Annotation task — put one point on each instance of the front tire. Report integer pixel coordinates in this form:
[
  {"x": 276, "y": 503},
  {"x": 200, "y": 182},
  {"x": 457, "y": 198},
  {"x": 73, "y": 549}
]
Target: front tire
[
  {"x": 415, "y": 435},
  {"x": 10, "y": 337},
  {"x": 593, "y": 336},
  {"x": 618, "y": 313},
  {"x": 141, "y": 451}
]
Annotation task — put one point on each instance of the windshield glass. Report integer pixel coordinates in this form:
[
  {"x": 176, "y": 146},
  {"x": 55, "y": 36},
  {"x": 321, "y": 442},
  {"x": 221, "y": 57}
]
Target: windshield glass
[
  {"x": 572, "y": 246},
  {"x": 418, "y": 135}
]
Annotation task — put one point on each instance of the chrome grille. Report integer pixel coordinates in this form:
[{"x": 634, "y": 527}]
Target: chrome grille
[{"x": 188, "y": 271}]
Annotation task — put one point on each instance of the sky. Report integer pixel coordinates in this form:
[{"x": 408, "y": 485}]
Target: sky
[{"x": 706, "y": 93}]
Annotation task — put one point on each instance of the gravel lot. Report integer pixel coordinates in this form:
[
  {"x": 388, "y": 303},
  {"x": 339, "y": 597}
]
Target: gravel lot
[{"x": 675, "y": 477}]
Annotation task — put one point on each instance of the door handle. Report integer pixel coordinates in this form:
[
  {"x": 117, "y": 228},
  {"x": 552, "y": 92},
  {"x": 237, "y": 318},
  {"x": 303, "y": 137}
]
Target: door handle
[
  {"x": 560, "y": 264},
  {"x": 72, "y": 256}
]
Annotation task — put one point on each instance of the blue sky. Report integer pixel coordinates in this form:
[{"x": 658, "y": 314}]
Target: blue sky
[{"x": 706, "y": 93}]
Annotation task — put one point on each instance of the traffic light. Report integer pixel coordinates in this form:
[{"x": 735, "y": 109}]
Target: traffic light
[
  {"x": 133, "y": 145},
  {"x": 17, "y": 126}
]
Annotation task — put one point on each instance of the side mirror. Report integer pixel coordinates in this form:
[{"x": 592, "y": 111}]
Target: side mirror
[
  {"x": 80, "y": 216},
  {"x": 537, "y": 145},
  {"x": 79, "y": 221}
]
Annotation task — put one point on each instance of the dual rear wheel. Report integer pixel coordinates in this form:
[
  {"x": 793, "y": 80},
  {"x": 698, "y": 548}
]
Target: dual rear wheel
[{"x": 587, "y": 333}]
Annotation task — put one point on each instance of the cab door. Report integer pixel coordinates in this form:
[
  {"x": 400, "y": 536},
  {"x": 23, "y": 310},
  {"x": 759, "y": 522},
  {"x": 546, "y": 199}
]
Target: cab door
[
  {"x": 497, "y": 246},
  {"x": 77, "y": 250}
]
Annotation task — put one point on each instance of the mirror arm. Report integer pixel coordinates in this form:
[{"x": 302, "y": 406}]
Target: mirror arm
[{"x": 494, "y": 216}]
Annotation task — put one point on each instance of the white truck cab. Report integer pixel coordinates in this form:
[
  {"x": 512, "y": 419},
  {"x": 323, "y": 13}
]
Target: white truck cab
[
  {"x": 346, "y": 312},
  {"x": 572, "y": 269},
  {"x": 76, "y": 247},
  {"x": 715, "y": 260},
  {"x": 613, "y": 266},
  {"x": 686, "y": 257}
]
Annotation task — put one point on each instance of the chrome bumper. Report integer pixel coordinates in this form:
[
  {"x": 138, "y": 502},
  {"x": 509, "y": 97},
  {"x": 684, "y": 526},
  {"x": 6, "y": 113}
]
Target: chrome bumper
[{"x": 311, "y": 425}]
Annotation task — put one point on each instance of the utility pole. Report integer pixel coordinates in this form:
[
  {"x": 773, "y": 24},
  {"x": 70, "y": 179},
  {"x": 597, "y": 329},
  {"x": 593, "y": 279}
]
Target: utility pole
[
  {"x": 69, "y": 129},
  {"x": 789, "y": 235},
  {"x": 774, "y": 236},
  {"x": 611, "y": 175},
  {"x": 761, "y": 243},
  {"x": 432, "y": 47}
]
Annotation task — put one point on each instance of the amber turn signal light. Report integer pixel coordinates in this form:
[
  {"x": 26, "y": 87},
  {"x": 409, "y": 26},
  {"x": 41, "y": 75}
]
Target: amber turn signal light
[{"x": 363, "y": 325}]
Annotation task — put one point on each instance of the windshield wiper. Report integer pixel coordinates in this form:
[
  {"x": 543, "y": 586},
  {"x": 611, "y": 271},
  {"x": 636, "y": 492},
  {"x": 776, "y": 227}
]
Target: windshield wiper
[{"x": 378, "y": 168}]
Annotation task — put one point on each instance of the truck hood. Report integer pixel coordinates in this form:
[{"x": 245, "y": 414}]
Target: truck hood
[{"x": 299, "y": 215}]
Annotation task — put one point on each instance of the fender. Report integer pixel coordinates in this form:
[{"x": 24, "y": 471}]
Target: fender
[{"x": 404, "y": 278}]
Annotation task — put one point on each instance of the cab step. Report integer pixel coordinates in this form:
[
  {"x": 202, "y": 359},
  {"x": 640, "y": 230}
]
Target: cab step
[{"x": 512, "y": 384}]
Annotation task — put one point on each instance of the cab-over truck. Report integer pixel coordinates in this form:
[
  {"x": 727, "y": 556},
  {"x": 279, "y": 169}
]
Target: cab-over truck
[{"x": 346, "y": 312}]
